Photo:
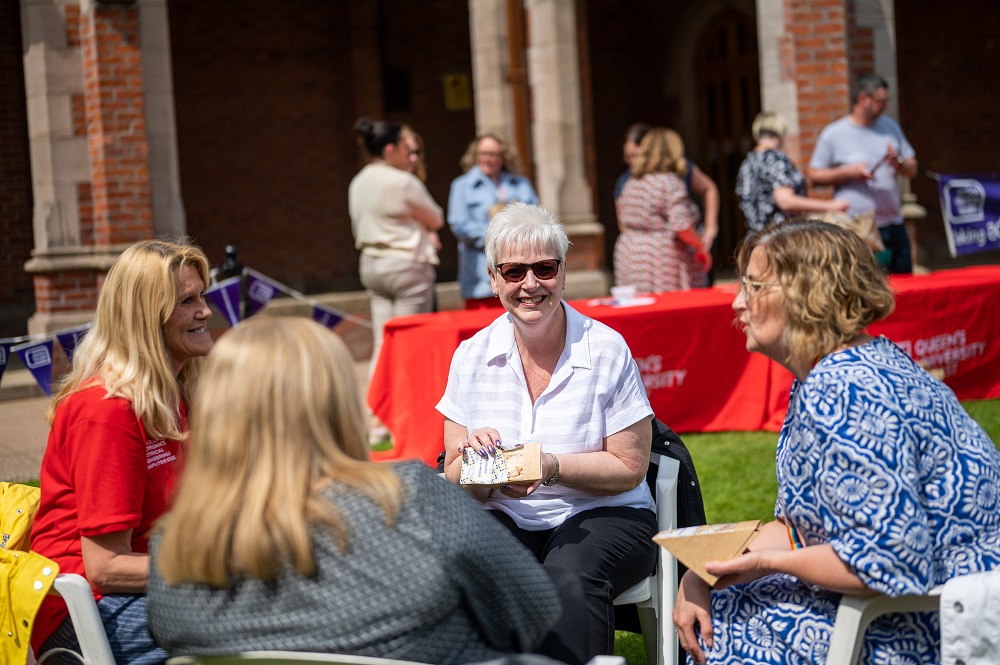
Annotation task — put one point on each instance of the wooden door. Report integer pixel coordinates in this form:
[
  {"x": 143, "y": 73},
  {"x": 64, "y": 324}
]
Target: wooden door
[{"x": 729, "y": 98}]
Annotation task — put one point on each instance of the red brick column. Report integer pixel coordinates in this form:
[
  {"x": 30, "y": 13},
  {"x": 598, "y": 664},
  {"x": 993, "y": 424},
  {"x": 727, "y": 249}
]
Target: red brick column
[
  {"x": 116, "y": 125},
  {"x": 818, "y": 49}
]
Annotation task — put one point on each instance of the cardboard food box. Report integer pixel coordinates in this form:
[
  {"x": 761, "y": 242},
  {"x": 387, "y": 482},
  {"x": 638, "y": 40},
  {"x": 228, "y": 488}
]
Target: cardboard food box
[
  {"x": 515, "y": 464},
  {"x": 694, "y": 546}
]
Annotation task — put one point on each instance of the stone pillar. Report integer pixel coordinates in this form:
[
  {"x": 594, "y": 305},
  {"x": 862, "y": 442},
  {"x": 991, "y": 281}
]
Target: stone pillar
[
  {"x": 557, "y": 132},
  {"x": 490, "y": 62},
  {"x": 161, "y": 123},
  {"x": 90, "y": 149}
]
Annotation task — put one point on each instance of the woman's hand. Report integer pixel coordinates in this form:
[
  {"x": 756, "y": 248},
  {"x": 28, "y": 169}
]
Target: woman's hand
[
  {"x": 839, "y": 205},
  {"x": 484, "y": 441},
  {"x": 740, "y": 570},
  {"x": 693, "y": 615}
]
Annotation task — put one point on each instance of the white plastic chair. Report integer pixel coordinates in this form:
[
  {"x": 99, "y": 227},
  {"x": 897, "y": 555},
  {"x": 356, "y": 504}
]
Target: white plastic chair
[
  {"x": 659, "y": 591},
  {"x": 75, "y": 590},
  {"x": 294, "y": 657},
  {"x": 855, "y": 613}
]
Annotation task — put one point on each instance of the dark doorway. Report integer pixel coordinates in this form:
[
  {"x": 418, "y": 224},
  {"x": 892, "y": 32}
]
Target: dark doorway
[{"x": 728, "y": 85}]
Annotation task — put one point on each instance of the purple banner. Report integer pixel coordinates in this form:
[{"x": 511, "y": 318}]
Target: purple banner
[
  {"x": 226, "y": 297},
  {"x": 260, "y": 291},
  {"x": 327, "y": 317},
  {"x": 37, "y": 356},
  {"x": 970, "y": 205},
  {"x": 68, "y": 339},
  {"x": 4, "y": 356}
]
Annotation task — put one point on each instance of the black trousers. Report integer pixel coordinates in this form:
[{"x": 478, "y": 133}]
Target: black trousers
[{"x": 610, "y": 548}]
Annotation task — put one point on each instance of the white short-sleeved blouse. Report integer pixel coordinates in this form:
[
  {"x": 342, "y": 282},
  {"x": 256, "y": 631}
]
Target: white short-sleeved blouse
[{"x": 595, "y": 391}]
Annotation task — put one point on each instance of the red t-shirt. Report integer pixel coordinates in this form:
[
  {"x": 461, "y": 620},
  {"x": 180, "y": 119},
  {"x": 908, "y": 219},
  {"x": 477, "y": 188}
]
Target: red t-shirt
[{"x": 100, "y": 474}]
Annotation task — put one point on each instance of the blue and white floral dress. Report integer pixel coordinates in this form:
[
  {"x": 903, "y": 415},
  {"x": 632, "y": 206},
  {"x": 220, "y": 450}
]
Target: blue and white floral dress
[{"x": 877, "y": 458}]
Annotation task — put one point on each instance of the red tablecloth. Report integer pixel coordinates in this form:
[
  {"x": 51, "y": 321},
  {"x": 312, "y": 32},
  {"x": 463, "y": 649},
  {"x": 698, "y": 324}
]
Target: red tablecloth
[{"x": 694, "y": 363}]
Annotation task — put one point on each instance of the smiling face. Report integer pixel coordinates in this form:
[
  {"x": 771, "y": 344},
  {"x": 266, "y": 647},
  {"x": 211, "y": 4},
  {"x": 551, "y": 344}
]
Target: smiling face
[
  {"x": 758, "y": 305},
  {"x": 531, "y": 301},
  {"x": 186, "y": 331},
  {"x": 489, "y": 157}
]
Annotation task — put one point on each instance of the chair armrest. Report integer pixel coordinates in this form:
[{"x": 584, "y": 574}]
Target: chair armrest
[
  {"x": 89, "y": 628},
  {"x": 855, "y": 613}
]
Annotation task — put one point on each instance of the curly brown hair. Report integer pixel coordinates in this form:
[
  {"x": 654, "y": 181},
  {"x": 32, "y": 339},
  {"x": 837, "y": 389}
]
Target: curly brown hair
[{"x": 833, "y": 288}]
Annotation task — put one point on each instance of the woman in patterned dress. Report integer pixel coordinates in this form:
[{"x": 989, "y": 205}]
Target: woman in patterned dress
[
  {"x": 885, "y": 484},
  {"x": 768, "y": 185},
  {"x": 658, "y": 248}
]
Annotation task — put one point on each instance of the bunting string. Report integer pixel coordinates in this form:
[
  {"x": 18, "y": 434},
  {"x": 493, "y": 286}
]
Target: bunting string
[{"x": 35, "y": 350}]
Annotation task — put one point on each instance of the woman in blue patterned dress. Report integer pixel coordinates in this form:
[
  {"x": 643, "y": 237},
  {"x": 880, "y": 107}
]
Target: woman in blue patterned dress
[{"x": 885, "y": 484}]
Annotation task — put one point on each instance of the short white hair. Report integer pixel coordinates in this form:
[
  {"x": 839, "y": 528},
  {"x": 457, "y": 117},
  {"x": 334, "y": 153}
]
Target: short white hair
[{"x": 523, "y": 227}]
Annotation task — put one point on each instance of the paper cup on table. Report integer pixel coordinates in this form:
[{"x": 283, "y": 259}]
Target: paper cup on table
[{"x": 622, "y": 295}]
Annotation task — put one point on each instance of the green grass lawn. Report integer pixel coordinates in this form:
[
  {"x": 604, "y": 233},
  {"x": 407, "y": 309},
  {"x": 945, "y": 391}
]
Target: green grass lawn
[{"x": 736, "y": 470}]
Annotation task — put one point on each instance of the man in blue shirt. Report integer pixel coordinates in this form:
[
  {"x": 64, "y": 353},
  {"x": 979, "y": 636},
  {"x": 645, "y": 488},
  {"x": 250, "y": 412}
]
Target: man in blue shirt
[
  {"x": 862, "y": 155},
  {"x": 488, "y": 184}
]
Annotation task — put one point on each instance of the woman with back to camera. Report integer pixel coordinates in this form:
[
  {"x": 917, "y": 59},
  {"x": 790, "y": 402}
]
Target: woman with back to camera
[
  {"x": 542, "y": 372},
  {"x": 394, "y": 220},
  {"x": 658, "y": 248},
  {"x": 885, "y": 484},
  {"x": 489, "y": 183},
  {"x": 308, "y": 545},
  {"x": 695, "y": 180},
  {"x": 768, "y": 185},
  {"x": 118, "y": 423}
]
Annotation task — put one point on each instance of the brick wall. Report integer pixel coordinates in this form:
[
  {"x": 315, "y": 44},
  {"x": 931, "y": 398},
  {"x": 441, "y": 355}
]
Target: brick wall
[
  {"x": 818, "y": 41},
  {"x": 17, "y": 300},
  {"x": 265, "y": 103},
  {"x": 949, "y": 84},
  {"x": 116, "y": 126}
]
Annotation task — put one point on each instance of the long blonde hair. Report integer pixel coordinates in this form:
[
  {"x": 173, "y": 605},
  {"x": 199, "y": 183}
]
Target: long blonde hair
[
  {"x": 125, "y": 348},
  {"x": 660, "y": 151},
  {"x": 278, "y": 414}
]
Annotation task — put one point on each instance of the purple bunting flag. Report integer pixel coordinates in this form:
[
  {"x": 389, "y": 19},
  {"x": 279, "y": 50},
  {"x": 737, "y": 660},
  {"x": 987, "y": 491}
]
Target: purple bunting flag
[
  {"x": 260, "y": 291},
  {"x": 37, "y": 356},
  {"x": 226, "y": 297},
  {"x": 327, "y": 317},
  {"x": 970, "y": 205},
  {"x": 4, "y": 351},
  {"x": 68, "y": 339}
]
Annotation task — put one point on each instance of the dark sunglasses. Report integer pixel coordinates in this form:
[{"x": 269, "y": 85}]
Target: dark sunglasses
[{"x": 515, "y": 272}]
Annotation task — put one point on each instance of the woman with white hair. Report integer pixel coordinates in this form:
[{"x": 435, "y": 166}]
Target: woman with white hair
[
  {"x": 118, "y": 425},
  {"x": 768, "y": 185},
  {"x": 543, "y": 372}
]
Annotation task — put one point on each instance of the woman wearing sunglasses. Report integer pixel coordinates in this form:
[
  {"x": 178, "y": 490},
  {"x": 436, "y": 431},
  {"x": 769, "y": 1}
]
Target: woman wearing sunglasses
[{"x": 543, "y": 372}]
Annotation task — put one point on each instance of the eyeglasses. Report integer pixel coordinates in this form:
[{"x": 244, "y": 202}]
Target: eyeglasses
[
  {"x": 487, "y": 153},
  {"x": 753, "y": 287},
  {"x": 516, "y": 272}
]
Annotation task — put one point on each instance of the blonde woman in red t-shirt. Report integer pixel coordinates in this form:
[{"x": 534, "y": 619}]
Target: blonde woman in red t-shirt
[{"x": 118, "y": 423}]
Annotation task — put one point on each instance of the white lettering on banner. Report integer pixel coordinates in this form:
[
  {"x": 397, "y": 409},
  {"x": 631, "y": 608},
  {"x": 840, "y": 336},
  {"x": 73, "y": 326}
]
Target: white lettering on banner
[
  {"x": 157, "y": 454},
  {"x": 655, "y": 377},
  {"x": 37, "y": 357},
  {"x": 943, "y": 352}
]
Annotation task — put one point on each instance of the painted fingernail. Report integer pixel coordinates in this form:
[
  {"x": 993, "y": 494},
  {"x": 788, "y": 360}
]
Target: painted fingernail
[{"x": 483, "y": 453}]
